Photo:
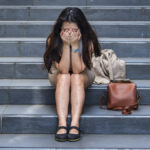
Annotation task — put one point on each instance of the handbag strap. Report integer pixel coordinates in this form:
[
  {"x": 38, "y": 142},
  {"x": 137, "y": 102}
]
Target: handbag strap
[
  {"x": 128, "y": 109},
  {"x": 138, "y": 96},
  {"x": 101, "y": 102}
]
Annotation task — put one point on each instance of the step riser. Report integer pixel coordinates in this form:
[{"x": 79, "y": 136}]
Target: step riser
[
  {"x": 91, "y": 14},
  {"x": 21, "y": 49},
  {"x": 43, "y": 2},
  {"x": 116, "y": 125},
  {"x": 129, "y": 49},
  {"x": 76, "y": 2},
  {"x": 34, "y": 71},
  {"x": 115, "y": 31},
  {"x": 47, "y": 96},
  {"x": 118, "y": 2},
  {"x": 141, "y": 72},
  {"x": 107, "y": 125}
]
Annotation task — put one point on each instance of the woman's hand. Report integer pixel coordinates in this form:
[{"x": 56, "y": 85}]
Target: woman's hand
[
  {"x": 65, "y": 38},
  {"x": 74, "y": 40},
  {"x": 71, "y": 38}
]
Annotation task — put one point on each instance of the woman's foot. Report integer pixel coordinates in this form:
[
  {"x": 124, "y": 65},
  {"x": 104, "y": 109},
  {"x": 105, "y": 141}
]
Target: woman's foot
[
  {"x": 61, "y": 134},
  {"x": 61, "y": 130},
  {"x": 74, "y": 134}
]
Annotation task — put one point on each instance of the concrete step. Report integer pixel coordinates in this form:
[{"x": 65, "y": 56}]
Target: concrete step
[
  {"x": 35, "y": 47},
  {"x": 40, "y": 91},
  {"x": 43, "y": 2},
  {"x": 93, "y": 13},
  {"x": 95, "y": 142},
  {"x": 42, "y": 119},
  {"x": 115, "y": 29},
  {"x": 119, "y": 2},
  {"x": 76, "y": 2},
  {"x": 31, "y": 68}
]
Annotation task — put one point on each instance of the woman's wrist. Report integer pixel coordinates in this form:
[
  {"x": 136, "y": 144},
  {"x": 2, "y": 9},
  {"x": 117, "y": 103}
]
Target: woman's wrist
[
  {"x": 65, "y": 45},
  {"x": 74, "y": 46},
  {"x": 75, "y": 50}
]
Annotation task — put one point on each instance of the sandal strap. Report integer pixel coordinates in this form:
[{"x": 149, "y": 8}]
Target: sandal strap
[
  {"x": 74, "y": 127},
  {"x": 61, "y": 127}
]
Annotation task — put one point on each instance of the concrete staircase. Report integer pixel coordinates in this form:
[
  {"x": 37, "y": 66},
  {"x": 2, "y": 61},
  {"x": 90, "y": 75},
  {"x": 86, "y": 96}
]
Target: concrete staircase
[{"x": 27, "y": 101}]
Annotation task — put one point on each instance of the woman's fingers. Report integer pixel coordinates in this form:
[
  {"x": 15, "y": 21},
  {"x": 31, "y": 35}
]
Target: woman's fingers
[
  {"x": 75, "y": 37},
  {"x": 79, "y": 34},
  {"x": 70, "y": 38},
  {"x": 64, "y": 37},
  {"x": 61, "y": 33}
]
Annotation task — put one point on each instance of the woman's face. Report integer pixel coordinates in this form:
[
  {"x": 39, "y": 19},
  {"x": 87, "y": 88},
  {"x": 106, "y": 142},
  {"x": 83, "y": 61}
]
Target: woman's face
[{"x": 69, "y": 28}]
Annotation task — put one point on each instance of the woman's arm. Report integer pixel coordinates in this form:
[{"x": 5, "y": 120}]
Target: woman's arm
[
  {"x": 77, "y": 61},
  {"x": 64, "y": 64}
]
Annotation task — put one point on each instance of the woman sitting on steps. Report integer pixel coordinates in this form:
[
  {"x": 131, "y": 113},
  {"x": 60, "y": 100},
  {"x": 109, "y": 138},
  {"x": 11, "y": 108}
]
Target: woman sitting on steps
[{"x": 67, "y": 58}]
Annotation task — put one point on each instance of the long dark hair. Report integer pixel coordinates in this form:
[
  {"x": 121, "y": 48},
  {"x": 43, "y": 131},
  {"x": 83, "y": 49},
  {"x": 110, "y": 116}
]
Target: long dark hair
[{"x": 53, "y": 49}]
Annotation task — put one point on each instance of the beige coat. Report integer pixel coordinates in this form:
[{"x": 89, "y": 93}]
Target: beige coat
[{"x": 108, "y": 67}]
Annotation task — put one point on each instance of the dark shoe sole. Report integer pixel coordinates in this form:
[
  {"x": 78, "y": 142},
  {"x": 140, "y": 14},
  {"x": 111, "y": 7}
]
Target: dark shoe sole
[
  {"x": 60, "y": 140},
  {"x": 73, "y": 140}
]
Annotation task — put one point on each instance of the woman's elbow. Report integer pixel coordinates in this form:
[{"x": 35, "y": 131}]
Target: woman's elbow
[{"x": 78, "y": 70}]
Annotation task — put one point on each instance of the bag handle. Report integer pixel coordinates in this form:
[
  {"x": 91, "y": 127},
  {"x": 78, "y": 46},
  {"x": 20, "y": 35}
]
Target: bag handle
[{"x": 128, "y": 110}]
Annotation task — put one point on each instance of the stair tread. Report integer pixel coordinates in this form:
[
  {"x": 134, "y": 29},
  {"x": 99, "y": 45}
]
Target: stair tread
[
  {"x": 92, "y": 111},
  {"x": 91, "y": 22},
  {"x": 77, "y": 2},
  {"x": 102, "y": 39},
  {"x": 44, "y": 83},
  {"x": 94, "y": 141},
  {"x": 40, "y": 60},
  {"x": 62, "y": 7}
]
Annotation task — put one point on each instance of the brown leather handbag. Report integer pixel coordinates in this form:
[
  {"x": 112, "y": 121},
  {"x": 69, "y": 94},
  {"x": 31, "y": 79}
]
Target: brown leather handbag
[{"x": 122, "y": 95}]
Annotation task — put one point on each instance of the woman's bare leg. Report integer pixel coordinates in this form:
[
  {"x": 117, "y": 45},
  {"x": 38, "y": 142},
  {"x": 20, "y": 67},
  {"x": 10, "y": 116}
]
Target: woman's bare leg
[
  {"x": 62, "y": 99},
  {"x": 78, "y": 83}
]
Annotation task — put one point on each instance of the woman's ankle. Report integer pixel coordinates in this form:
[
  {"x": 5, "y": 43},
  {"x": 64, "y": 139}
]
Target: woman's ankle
[
  {"x": 75, "y": 123},
  {"x": 62, "y": 122}
]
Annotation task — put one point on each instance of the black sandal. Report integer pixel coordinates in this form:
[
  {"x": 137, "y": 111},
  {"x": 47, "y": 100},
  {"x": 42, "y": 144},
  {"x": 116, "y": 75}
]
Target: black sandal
[
  {"x": 61, "y": 137},
  {"x": 74, "y": 137}
]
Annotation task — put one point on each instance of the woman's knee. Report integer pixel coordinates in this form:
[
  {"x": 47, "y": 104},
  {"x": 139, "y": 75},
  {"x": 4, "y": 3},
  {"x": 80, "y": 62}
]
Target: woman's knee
[
  {"x": 77, "y": 79},
  {"x": 63, "y": 78}
]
